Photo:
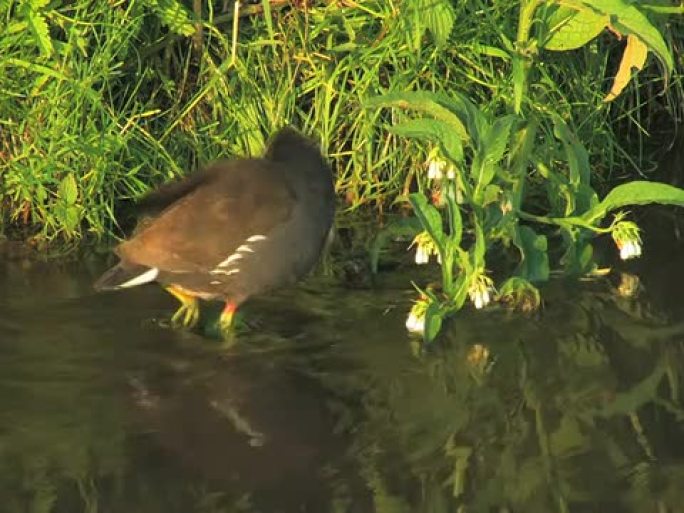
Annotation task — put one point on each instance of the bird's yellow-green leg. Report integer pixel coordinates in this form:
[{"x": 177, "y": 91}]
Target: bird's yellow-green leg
[
  {"x": 227, "y": 317},
  {"x": 188, "y": 314}
]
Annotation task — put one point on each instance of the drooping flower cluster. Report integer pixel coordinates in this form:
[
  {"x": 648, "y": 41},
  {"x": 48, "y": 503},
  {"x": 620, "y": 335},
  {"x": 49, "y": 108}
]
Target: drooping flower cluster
[
  {"x": 415, "y": 322},
  {"x": 425, "y": 248},
  {"x": 627, "y": 239},
  {"x": 438, "y": 168},
  {"x": 481, "y": 290}
]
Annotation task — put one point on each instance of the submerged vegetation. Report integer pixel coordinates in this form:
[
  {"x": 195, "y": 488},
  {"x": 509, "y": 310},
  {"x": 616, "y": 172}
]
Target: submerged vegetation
[{"x": 521, "y": 103}]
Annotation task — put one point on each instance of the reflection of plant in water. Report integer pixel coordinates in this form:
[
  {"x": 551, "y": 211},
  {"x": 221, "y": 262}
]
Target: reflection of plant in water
[
  {"x": 567, "y": 415},
  {"x": 52, "y": 444}
]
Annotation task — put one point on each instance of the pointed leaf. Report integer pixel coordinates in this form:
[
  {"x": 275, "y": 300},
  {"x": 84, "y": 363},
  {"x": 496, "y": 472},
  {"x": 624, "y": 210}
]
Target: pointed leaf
[
  {"x": 40, "y": 31},
  {"x": 578, "y": 257},
  {"x": 534, "y": 265},
  {"x": 490, "y": 153},
  {"x": 433, "y": 130},
  {"x": 174, "y": 15},
  {"x": 624, "y": 17},
  {"x": 570, "y": 29},
  {"x": 68, "y": 190},
  {"x": 433, "y": 322},
  {"x": 519, "y": 76},
  {"x": 429, "y": 217},
  {"x": 638, "y": 192},
  {"x": 633, "y": 57},
  {"x": 480, "y": 246},
  {"x": 439, "y": 18},
  {"x": 578, "y": 158},
  {"x": 422, "y": 102}
]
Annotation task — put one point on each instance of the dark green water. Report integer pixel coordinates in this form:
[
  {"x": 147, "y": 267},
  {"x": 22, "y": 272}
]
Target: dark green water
[{"x": 326, "y": 405}]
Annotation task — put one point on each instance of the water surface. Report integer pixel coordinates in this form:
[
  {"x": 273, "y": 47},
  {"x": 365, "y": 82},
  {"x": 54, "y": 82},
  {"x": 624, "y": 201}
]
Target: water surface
[{"x": 325, "y": 404}]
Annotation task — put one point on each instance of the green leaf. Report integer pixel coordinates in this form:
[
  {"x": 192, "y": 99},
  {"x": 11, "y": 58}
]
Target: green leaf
[
  {"x": 432, "y": 130},
  {"x": 439, "y": 18},
  {"x": 534, "y": 265},
  {"x": 638, "y": 192},
  {"x": 455, "y": 220},
  {"x": 71, "y": 218},
  {"x": 424, "y": 102},
  {"x": 174, "y": 15},
  {"x": 68, "y": 190},
  {"x": 429, "y": 217},
  {"x": 433, "y": 322},
  {"x": 519, "y": 76},
  {"x": 491, "y": 194},
  {"x": 570, "y": 29},
  {"x": 624, "y": 17},
  {"x": 480, "y": 246},
  {"x": 578, "y": 258},
  {"x": 40, "y": 31},
  {"x": 490, "y": 153},
  {"x": 630, "y": 20},
  {"x": 578, "y": 158}
]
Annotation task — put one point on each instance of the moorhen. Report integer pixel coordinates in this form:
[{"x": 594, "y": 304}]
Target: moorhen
[{"x": 238, "y": 228}]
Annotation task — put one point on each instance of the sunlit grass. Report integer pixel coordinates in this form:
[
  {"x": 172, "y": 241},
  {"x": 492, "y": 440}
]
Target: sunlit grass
[{"x": 122, "y": 102}]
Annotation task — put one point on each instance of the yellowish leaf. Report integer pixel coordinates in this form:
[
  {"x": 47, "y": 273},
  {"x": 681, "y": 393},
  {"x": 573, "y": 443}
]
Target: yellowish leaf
[{"x": 634, "y": 57}]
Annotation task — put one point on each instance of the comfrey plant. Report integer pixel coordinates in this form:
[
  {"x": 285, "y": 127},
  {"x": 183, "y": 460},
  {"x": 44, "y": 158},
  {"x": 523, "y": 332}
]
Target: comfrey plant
[{"x": 522, "y": 179}]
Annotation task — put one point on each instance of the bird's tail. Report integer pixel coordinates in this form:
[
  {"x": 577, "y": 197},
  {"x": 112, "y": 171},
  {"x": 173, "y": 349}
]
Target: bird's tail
[{"x": 122, "y": 276}]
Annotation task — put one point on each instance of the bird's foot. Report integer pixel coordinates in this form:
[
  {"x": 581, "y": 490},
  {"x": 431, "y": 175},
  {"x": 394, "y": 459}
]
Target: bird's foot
[{"x": 188, "y": 314}]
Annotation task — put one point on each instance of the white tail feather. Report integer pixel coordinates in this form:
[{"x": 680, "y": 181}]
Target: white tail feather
[{"x": 146, "y": 277}]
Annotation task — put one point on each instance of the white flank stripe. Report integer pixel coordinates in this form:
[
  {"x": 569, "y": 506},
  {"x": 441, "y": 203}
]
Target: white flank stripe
[
  {"x": 145, "y": 277},
  {"x": 245, "y": 248},
  {"x": 222, "y": 271},
  {"x": 256, "y": 238},
  {"x": 215, "y": 282},
  {"x": 232, "y": 258}
]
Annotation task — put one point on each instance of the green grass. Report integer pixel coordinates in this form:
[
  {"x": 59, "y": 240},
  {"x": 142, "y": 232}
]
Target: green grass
[{"x": 113, "y": 98}]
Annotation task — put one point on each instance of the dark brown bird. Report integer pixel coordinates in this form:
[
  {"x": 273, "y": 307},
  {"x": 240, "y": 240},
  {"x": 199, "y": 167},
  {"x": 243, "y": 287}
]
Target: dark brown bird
[{"x": 236, "y": 229}]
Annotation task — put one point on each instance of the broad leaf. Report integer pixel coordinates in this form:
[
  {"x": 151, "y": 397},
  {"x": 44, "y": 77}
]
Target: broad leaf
[
  {"x": 422, "y": 102},
  {"x": 455, "y": 220},
  {"x": 433, "y": 130},
  {"x": 40, "y": 31},
  {"x": 428, "y": 216},
  {"x": 534, "y": 265},
  {"x": 68, "y": 190},
  {"x": 578, "y": 158},
  {"x": 569, "y": 28},
  {"x": 433, "y": 322},
  {"x": 624, "y": 17},
  {"x": 480, "y": 246},
  {"x": 174, "y": 15},
  {"x": 491, "y": 151},
  {"x": 439, "y": 18},
  {"x": 578, "y": 258},
  {"x": 634, "y": 57},
  {"x": 519, "y": 75},
  {"x": 638, "y": 192}
]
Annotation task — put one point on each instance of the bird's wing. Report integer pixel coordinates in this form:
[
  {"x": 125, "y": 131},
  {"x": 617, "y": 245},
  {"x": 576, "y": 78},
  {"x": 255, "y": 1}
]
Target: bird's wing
[{"x": 237, "y": 203}]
